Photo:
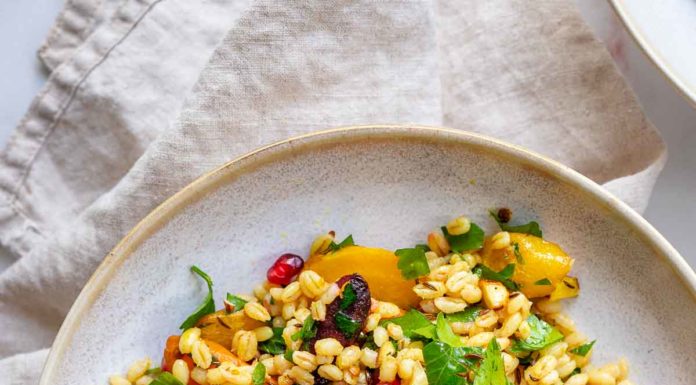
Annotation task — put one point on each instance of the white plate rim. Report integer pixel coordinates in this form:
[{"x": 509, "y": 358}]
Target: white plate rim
[{"x": 661, "y": 63}]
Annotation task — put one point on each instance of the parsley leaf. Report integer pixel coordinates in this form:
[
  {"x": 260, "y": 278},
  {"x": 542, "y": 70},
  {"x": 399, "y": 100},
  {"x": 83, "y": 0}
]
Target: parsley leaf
[
  {"x": 492, "y": 370},
  {"x": 543, "y": 282},
  {"x": 166, "y": 378},
  {"x": 574, "y": 372},
  {"x": 582, "y": 350},
  {"x": 154, "y": 371},
  {"x": 208, "y": 305},
  {"x": 518, "y": 255},
  {"x": 288, "y": 355},
  {"x": 275, "y": 345},
  {"x": 307, "y": 332},
  {"x": 531, "y": 227},
  {"x": 471, "y": 240},
  {"x": 236, "y": 302},
  {"x": 504, "y": 276},
  {"x": 445, "y": 364},
  {"x": 344, "y": 243},
  {"x": 412, "y": 263},
  {"x": 541, "y": 336},
  {"x": 349, "y": 297},
  {"x": 467, "y": 315},
  {"x": 346, "y": 324},
  {"x": 258, "y": 376},
  {"x": 411, "y": 322},
  {"x": 423, "y": 247},
  {"x": 444, "y": 332}
]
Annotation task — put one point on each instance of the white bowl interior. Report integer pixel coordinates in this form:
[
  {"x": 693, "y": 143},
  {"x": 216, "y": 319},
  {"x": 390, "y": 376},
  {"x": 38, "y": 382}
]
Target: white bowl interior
[{"x": 389, "y": 191}]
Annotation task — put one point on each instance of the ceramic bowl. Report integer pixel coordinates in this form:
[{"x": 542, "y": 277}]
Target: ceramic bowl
[{"x": 388, "y": 186}]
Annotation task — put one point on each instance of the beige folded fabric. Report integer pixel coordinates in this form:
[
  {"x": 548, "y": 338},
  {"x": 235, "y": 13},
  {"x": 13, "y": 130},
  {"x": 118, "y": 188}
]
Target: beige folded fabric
[{"x": 107, "y": 140}]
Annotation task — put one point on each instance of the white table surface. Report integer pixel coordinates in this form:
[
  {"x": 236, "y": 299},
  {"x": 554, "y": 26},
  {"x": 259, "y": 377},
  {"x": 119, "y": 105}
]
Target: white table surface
[{"x": 672, "y": 208}]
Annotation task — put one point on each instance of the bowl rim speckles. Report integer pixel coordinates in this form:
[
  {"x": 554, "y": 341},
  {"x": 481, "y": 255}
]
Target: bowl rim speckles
[{"x": 226, "y": 173}]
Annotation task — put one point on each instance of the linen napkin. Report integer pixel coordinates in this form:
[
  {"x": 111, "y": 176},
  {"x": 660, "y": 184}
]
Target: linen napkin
[{"x": 161, "y": 91}]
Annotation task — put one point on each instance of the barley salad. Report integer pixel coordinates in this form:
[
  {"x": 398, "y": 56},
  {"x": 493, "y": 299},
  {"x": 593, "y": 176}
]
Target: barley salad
[{"x": 461, "y": 309}]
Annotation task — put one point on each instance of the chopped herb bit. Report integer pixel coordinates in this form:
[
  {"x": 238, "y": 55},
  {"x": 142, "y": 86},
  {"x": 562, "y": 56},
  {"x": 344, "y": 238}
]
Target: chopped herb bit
[
  {"x": 471, "y": 240},
  {"x": 444, "y": 332},
  {"x": 444, "y": 363},
  {"x": 574, "y": 372},
  {"x": 288, "y": 355},
  {"x": 346, "y": 324},
  {"x": 208, "y": 305},
  {"x": 154, "y": 371},
  {"x": 582, "y": 350},
  {"x": 370, "y": 342},
  {"x": 236, "y": 303},
  {"x": 467, "y": 315},
  {"x": 412, "y": 322},
  {"x": 504, "y": 276},
  {"x": 543, "y": 282},
  {"x": 542, "y": 335},
  {"x": 275, "y": 345},
  {"x": 348, "y": 297},
  {"x": 344, "y": 243},
  {"x": 532, "y": 227},
  {"x": 427, "y": 332},
  {"x": 518, "y": 255},
  {"x": 258, "y": 376},
  {"x": 412, "y": 263},
  {"x": 492, "y": 370},
  {"x": 423, "y": 247},
  {"x": 307, "y": 332},
  {"x": 166, "y": 378}
]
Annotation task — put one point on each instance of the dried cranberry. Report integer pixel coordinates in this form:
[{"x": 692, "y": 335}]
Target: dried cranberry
[
  {"x": 357, "y": 312},
  {"x": 284, "y": 269}
]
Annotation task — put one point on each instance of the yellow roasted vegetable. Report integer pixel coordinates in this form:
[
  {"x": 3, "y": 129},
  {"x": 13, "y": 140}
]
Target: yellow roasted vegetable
[
  {"x": 377, "y": 266},
  {"x": 540, "y": 265}
]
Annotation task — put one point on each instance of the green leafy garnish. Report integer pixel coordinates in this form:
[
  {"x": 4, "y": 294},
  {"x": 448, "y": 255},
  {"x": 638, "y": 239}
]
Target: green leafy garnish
[
  {"x": 154, "y": 371},
  {"x": 542, "y": 335},
  {"x": 288, "y": 355},
  {"x": 574, "y": 372},
  {"x": 532, "y": 227},
  {"x": 344, "y": 243},
  {"x": 467, "y": 315},
  {"x": 444, "y": 332},
  {"x": 166, "y": 378},
  {"x": 518, "y": 255},
  {"x": 275, "y": 345},
  {"x": 307, "y": 332},
  {"x": 412, "y": 263},
  {"x": 582, "y": 350},
  {"x": 445, "y": 364},
  {"x": 236, "y": 302},
  {"x": 543, "y": 282},
  {"x": 504, "y": 276},
  {"x": 471, "y": 240},
  {"x": 411, "y": 322},
  {"x": 346, "y": 324},
  {"x": 491, "y": 371},
  {"x": 348, "y": 297},
  {"x": 208, "y": 305},
  {"x": 258, "y": 376},
  {"x": 423, "y": 247},
  {"x": 427, "y": 332}
]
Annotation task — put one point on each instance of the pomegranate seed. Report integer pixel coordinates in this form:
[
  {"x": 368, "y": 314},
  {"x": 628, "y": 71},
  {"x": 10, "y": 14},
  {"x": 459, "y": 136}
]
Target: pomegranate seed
[{"x": 284, "y": 269}]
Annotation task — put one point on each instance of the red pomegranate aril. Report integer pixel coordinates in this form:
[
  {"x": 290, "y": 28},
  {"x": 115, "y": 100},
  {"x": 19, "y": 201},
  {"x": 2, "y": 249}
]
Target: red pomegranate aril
[{"x": 284, "y": 269}]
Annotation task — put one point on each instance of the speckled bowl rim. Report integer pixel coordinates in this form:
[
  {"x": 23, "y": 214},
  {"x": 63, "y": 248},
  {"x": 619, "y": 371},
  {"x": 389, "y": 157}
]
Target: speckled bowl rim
[{"x": 212, "y": 180}]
